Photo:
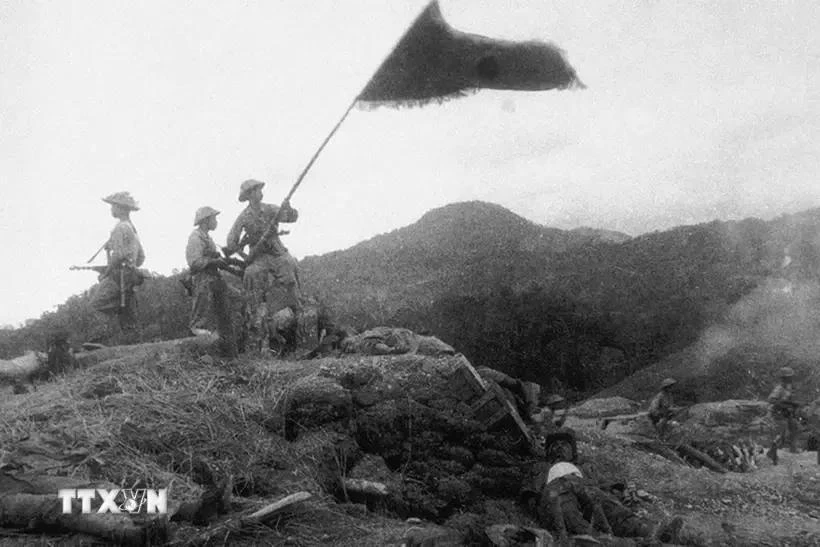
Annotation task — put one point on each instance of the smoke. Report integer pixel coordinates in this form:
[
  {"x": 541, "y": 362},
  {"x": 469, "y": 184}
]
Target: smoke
[{"x": 780, "y": 318}]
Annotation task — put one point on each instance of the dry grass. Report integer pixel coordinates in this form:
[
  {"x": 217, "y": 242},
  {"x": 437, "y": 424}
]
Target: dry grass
[
  {"x": 144, "y": 418},
  {"x": 149, "y": 417}
]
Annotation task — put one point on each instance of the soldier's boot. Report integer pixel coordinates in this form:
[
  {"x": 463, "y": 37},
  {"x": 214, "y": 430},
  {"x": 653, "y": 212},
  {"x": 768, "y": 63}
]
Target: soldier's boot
[{"x": 772, "y": 453}]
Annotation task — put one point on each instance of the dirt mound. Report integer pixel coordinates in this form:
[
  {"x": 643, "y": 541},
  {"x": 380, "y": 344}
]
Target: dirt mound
[
  {"x": 404, "y": 411},
  {"x": 182, "y": 419}
]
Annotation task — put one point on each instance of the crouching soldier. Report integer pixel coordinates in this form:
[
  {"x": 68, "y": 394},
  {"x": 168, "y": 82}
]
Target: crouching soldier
[
  {"x": 784, "y": 413},
  {"x": 210, "y": 311}
]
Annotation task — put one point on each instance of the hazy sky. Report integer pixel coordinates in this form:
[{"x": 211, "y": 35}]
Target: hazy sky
[{"x": 694, "y": 111}]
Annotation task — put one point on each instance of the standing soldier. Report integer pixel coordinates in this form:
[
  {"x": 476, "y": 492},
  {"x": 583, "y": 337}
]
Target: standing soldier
[
  {"x": 270, "y": 279},
  {"x": 660, "y": 408},
  {"x": 784, "y": 414},
  {"x": 204, "y": 262},
  {"x": 115, "y": 294},
  {"x": 210, "y": 310}
]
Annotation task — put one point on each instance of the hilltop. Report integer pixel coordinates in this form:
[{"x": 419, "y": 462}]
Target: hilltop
[
  {"x": 461, "y": 248},
  {"x": 585, "y": 308}
]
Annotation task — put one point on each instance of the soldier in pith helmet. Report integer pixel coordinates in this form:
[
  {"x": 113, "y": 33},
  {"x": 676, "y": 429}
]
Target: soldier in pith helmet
[
  {"x": 271, "y": 278},
  {"x": 115, "y": 293},
  {"x": 784, "y": 414},
  {"x": 661, "y": 406},
  {"x": 204, "y": 261}
]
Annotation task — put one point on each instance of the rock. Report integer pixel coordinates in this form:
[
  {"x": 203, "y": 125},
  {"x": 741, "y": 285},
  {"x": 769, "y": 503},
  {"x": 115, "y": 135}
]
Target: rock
[
  {"x": 511, "y": 535},
  {"x": 601, "y": 408},
  {"x": 433, "y": 537},
  {"x": 732, "y": 420},
  {"x": 314, "y": 402},
  {"x": 373, "y": 468},
  {"x": 101, "y": 389},
  {"x": 364, "y": 487},
  {"x": 22, "y": 367}
]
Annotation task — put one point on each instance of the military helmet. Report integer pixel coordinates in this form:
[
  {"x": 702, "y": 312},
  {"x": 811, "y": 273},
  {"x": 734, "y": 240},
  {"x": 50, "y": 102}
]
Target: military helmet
[
  {"x": 204, "y": 212},
  {"x": 554, "y": 399},
  {"x": 668, "y": 382},
  {"x": 562, "y": 469},
  {"x": 247, "y": 186},
  {"x": 122, "y": 199},
  {"x": 786, "y": 372}
]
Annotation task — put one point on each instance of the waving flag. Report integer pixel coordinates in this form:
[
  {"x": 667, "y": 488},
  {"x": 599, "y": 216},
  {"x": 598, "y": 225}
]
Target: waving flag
[{"x": 434, "y": 61}]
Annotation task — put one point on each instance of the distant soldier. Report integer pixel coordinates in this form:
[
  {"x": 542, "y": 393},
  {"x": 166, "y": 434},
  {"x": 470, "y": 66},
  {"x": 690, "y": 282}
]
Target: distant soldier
[
  {"x": 271, "y": 279},
  {"x": 661, "y": 407},
  {"x": 115, "y": 294},
  {"x": 784, "y": 413},
  {"x": 207, "y": 286}
]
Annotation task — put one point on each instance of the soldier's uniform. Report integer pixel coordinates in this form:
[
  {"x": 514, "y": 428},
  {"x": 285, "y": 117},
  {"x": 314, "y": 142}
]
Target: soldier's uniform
[
  {"x": 784, "y": 414},
  {"x": 271, "y": 280},
  {"x": 660, "y": 408},
  {"x": 207, "y": 285},
  {"x": 568, "y": 503},
  {"x": 125, "y": 255}
]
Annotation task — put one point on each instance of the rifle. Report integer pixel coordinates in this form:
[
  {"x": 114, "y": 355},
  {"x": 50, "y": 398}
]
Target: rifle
[
  {"x": 90, "y": 260},
  {"x": 98, "y": 269},
  {"x": 789, "y": 409},
  {"x": 122, "y": 287},
  {"x": 628, "y": 417},
  {"x": 253, "y": 252}
]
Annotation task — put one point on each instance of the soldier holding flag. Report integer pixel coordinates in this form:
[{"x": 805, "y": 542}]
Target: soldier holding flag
[{"x": 270, "y": 280}]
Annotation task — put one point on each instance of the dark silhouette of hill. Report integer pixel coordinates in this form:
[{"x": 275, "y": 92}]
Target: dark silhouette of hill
[
  {"x": 586, "y": 307},
  {"x": 461, "y": 248}
]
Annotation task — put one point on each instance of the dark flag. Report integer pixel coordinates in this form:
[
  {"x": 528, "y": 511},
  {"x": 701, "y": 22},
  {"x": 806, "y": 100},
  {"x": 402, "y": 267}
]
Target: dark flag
[{"x": 434, "y": 61}]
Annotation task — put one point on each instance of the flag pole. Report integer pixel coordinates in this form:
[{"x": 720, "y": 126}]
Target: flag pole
[
  {"x": 274, "y": 224},
  {"x": 344, "y": 116},
  {"x": 321, "y": 147}
]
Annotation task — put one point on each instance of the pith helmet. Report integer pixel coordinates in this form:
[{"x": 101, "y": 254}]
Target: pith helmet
[
  {"x": 562, "y": 469},
  {"x": 123, "y": 199},
  {"x": 668, "y": 382},
  {"x": 204, "y": 212},
  {"x": 786, "y": 372},
  {"x": 247, "y": 186},
  {"x": 554, "y": 399}
]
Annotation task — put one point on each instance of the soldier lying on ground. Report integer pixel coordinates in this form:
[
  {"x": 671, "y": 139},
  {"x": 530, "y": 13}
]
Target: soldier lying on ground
[
  {"x": 394, "y": 341},
  {"x": 566, "y": 502}
]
